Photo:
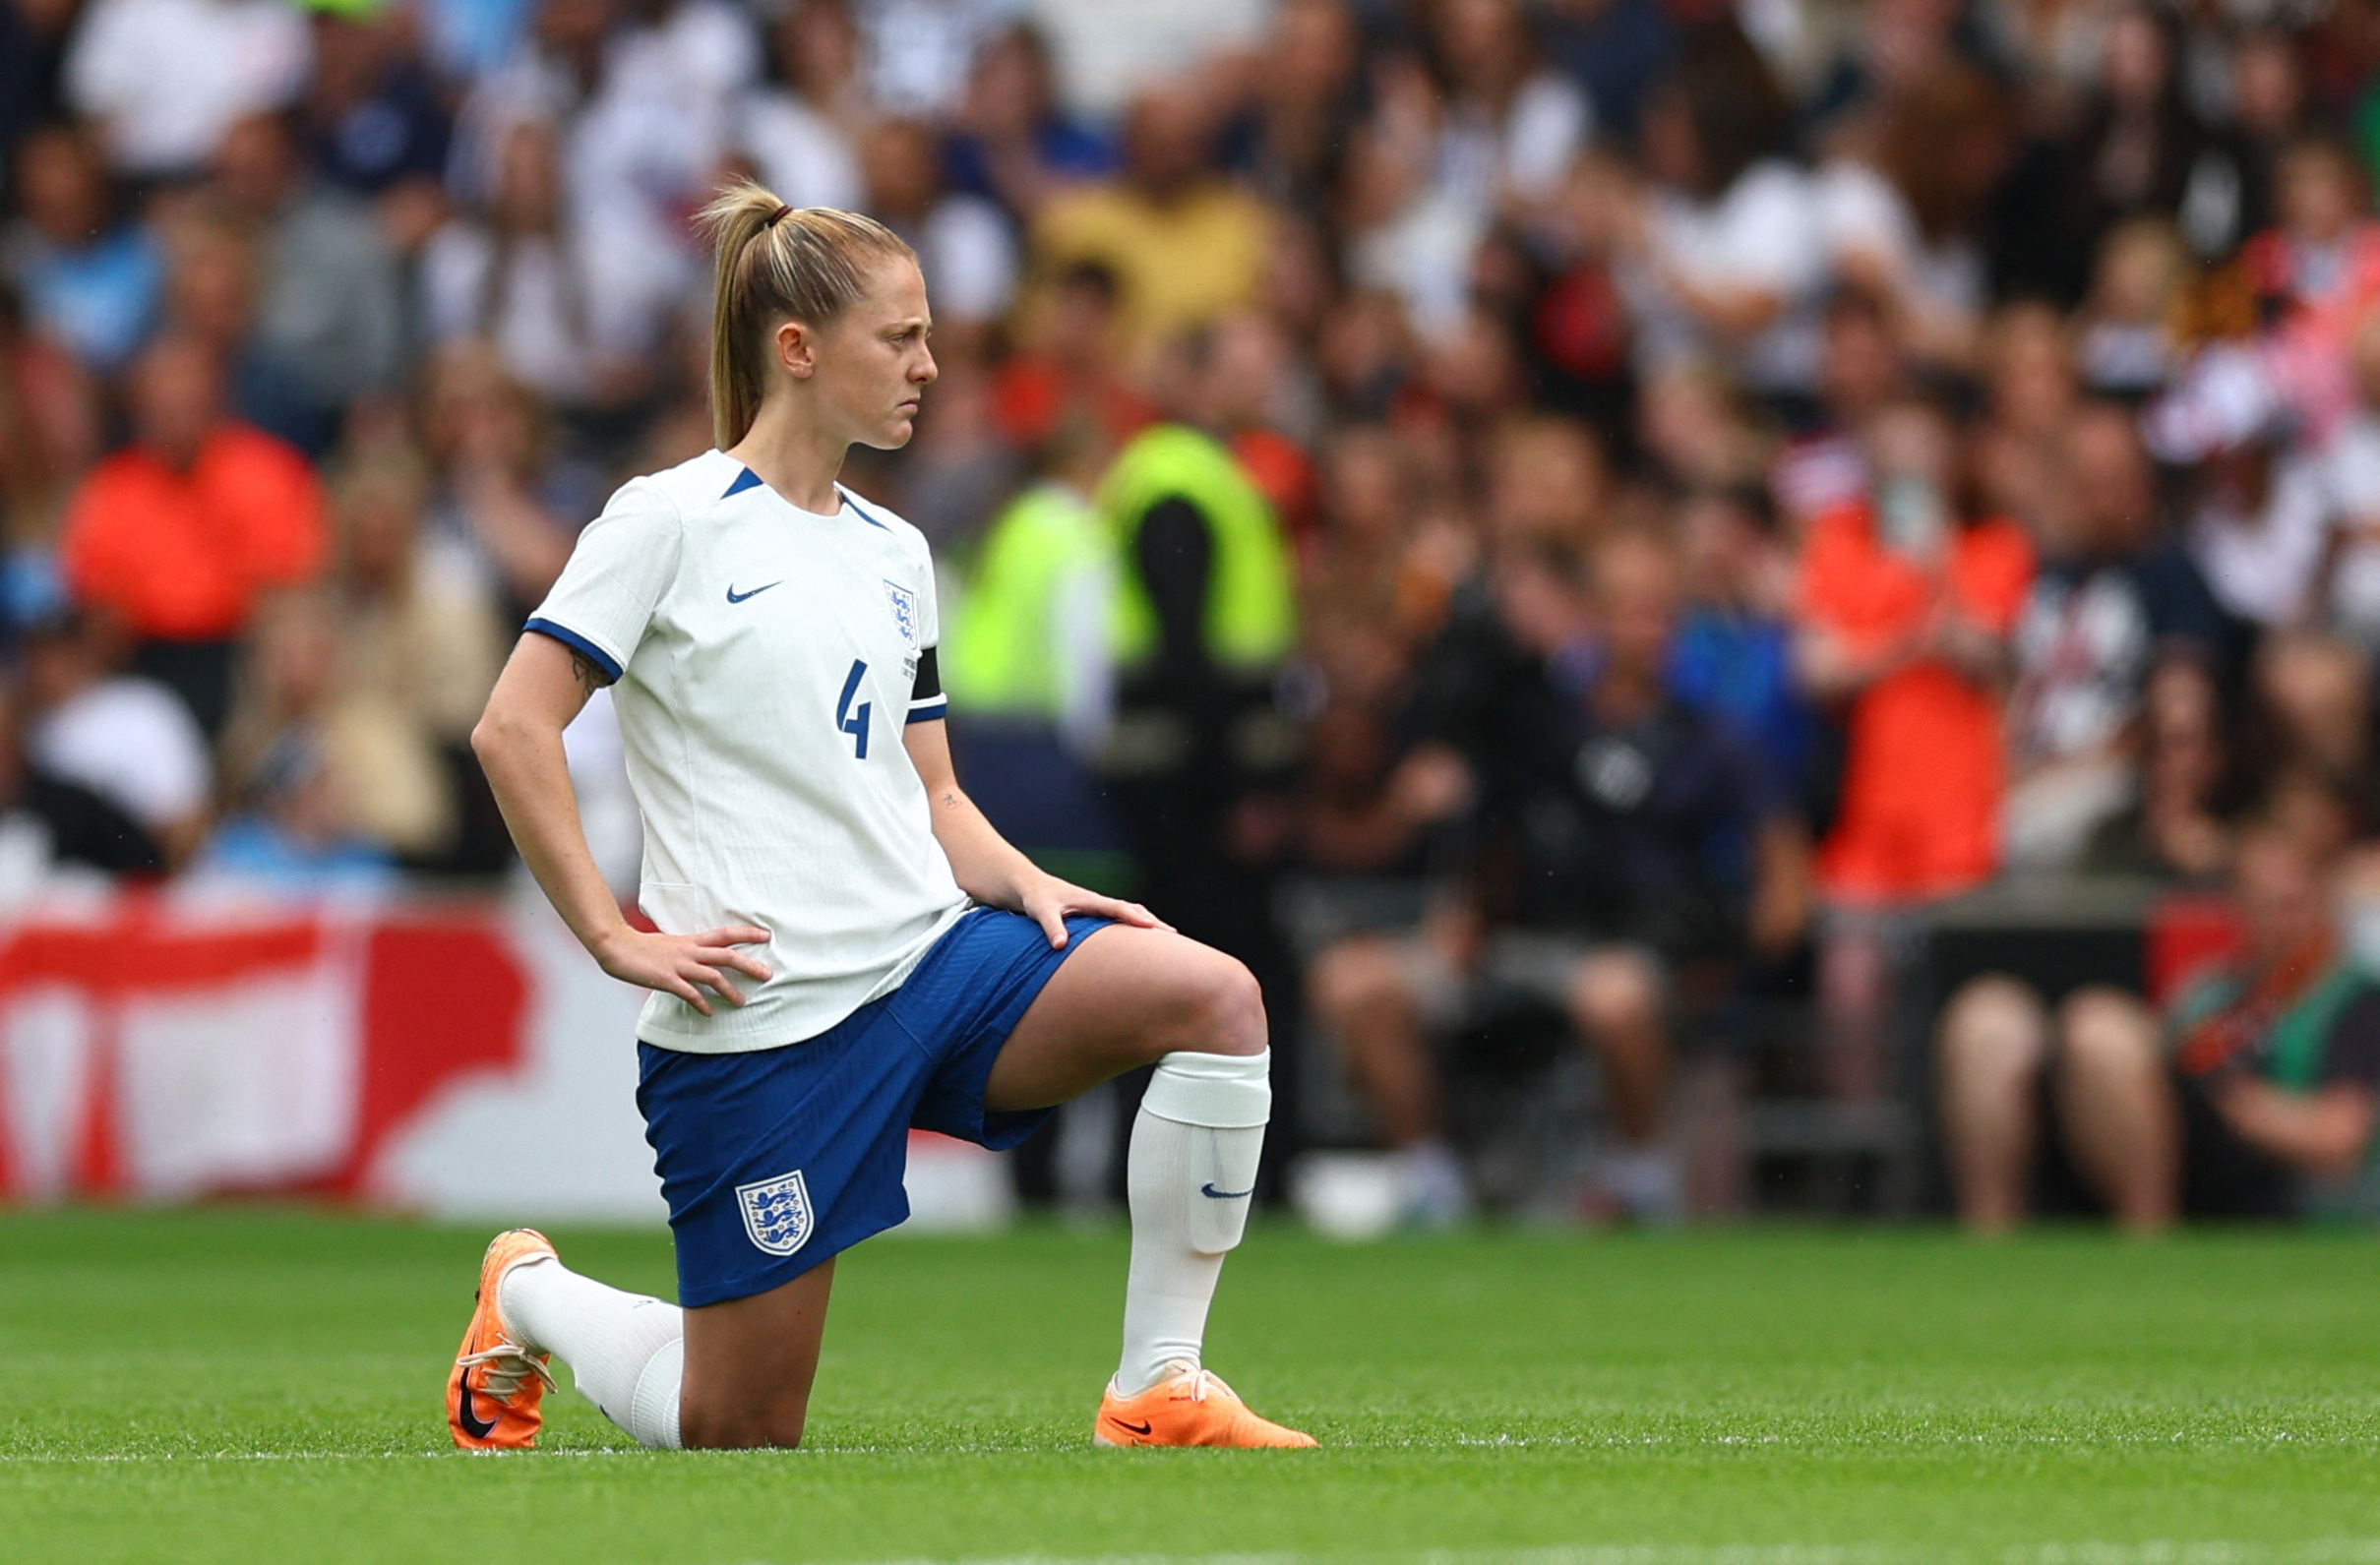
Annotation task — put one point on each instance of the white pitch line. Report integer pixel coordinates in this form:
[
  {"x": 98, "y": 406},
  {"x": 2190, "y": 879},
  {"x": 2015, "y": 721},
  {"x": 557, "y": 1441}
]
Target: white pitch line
[
  {"x": 75, "y": 1459},
  {"x": 2156, "y": 1551}
]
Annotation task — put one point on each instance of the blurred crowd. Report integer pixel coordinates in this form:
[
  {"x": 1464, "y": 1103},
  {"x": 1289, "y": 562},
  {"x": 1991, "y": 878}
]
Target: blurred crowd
[{"x": 1628, "y": 504}]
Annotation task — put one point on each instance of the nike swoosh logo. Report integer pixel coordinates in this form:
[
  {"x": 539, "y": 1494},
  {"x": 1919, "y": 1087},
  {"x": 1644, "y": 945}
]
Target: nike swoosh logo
[
  {"x": 471, "y": 1425},
  {"x": 733, "y": 596},
  {"x": 1213, "y": 1194},
  {"x": 1128, "y": 1428}
]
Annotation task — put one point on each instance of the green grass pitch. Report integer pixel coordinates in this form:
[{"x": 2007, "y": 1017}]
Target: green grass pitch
[{"x": 263, "y": 1386}]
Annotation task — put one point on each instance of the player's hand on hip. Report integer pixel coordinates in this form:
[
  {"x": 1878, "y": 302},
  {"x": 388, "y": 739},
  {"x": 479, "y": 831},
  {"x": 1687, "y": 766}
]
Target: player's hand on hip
[
  {"x": 684, "y": 965},
  {"x": 1050, "y": 902}
]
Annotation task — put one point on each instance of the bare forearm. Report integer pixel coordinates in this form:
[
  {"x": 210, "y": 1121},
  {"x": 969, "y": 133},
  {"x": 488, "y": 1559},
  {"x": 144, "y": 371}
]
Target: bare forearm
[
  {"x": 530, "y": 774},
  {"x": 983, "y": 862},
  {"x": 2323, "y": 1132}
]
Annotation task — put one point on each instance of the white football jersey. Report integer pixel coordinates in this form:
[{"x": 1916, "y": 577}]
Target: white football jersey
[{"x": 767, "y": 659}]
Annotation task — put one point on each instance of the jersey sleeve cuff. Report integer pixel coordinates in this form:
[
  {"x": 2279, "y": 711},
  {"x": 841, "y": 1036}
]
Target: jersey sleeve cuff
[
  {"x": 930, "y": 711},
  {"x": 578, "y": 643}
]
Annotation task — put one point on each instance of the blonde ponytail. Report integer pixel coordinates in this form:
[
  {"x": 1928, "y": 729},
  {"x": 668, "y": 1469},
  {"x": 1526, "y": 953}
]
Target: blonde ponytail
[{"x": 777, "y": 263}]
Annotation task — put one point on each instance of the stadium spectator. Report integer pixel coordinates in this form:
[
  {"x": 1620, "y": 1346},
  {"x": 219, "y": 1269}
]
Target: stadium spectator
[
  {"x": 50, "y": 431},
  {"x": 961, "y": 240},
  {"x": 419, "y": 645},
  {"x": 293, "y": 835},
  {"x": 375, "y": 122},
  {"x": 177, "y": 533},
  {"x": 517, "y": 279},
  {"x": 2128, "y": 347},
  {"x": 1614, "y": 48},
  {"x": 163, "y": 79},
  {"x": 1907, "y": 601},
  {"x": 1419, "y": 250},
  {"x": 1377, "y": 583},
  {"x": 1201, "y": 752},
  {"x": 49, "y": 825},
  {"x": 2252, "y": 1097},
  {"x": 1726, "y": 257},
  {"x": 87, "y": 275},
  {"x": 329, "y": 309},
  {"x": 551, "y": 73},
  {"x": 1185, "y": 245},
  {"x": 1630, "y": 853},
  {"x": 500, "y": 491},
  {"x": 1011, "y": 144},
  {"x": 125, "y": 738},
  {"x": 2176, "y": 826},
  {"x": 1513, "y": 123},
  {"x": 917, "y": 51},
  {"x": 1065, "y": 364},
  {"x": 2270, "y": 104},
  {"x": 1734, "y": 655},
  {"x": 2308, "y": 721},
  {"x": 2133, "y": 150},
  {"x": 33, "y": 37},
  {"x": 1024, "y": 658},
  {"x": 1863, "y": 364},
  {"x": 1698, "y": 432},
  {"x": 802, "y": 130},
  {"x": 2115, "y": 599},
  {"x": 2031, "y": 393},
  {"x": 2260, "y": 527},
  {"x": 320, "y": 752},
  {"x": 1906, "y": 203},
  {"x": 1304, "y": 98}
]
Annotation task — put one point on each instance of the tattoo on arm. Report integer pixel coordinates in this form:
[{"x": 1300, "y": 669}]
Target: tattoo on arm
[{"x": 590, "y": 678}]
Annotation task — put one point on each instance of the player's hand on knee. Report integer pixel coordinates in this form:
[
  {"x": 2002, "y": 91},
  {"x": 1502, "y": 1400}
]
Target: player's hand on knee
[
  {"x": 1052, "y": 901},
  {"x": 684, "y": 965}
]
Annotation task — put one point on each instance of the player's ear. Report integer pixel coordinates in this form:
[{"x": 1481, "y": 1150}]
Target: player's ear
[{"x": 792, "y": 342}]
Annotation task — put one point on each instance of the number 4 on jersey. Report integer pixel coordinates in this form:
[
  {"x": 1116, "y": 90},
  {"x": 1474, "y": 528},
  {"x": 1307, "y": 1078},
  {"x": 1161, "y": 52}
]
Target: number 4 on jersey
[{"x": 854, "y": 723}]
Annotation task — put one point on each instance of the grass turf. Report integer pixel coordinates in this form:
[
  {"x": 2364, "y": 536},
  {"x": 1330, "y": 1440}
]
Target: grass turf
[{"x": 243, "y": 1386}]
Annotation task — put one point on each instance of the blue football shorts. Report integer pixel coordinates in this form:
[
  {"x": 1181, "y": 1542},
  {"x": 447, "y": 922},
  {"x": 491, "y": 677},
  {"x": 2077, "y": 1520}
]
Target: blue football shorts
[{"x": 777, "y": 1160}]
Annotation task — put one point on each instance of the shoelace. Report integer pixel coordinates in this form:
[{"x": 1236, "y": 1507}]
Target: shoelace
[{"x": 507, "y": 1366}]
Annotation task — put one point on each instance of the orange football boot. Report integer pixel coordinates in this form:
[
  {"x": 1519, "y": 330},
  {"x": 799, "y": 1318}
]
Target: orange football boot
[
  {"x": 1189, "y": 1407},
  {"x": 492, "y": 1396}
]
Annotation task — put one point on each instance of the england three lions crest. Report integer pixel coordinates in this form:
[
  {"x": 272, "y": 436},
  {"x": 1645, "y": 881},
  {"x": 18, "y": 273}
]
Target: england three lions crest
[
  {"x": 778, "y": 1213},
  {"x": 904, "y": 610}
]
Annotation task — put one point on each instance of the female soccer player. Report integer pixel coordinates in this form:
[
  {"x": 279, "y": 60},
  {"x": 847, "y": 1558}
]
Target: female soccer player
[{"x": 770, "y": 639}]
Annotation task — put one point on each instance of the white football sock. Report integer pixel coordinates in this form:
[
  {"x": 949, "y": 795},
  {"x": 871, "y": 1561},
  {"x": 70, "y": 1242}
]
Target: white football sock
[
  {"x": 1194, "y": 1164},
  {"x": 627, "y": 1351}
]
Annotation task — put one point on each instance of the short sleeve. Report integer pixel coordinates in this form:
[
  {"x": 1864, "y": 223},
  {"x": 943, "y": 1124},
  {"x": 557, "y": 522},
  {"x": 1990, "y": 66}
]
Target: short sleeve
[
  {"x": 929, "y": 602},
  {"x": 926, "y": 698},
  {"x": 623, "y": 564}
]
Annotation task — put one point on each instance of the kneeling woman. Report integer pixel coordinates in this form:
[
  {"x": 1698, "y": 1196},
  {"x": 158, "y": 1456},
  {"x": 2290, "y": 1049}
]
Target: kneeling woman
[{"x": 846, "y": 949}]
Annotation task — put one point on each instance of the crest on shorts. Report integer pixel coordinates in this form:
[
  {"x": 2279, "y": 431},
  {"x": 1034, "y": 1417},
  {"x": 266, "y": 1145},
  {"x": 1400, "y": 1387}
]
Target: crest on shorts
[
  {"x": 778, "y": 1213},
  {"x": 904, "y": 610}
]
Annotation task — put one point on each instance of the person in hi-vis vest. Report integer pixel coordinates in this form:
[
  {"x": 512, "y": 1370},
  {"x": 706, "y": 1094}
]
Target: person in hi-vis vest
[
  {"x": 1027, "y": 663},
  {"x": 1200, "y": 757}
]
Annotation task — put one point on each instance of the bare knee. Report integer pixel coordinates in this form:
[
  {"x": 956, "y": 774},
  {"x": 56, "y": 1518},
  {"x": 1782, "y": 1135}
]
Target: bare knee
[
  {"x": 1616, "y": 994},
  {"x": 2106, "y": 1031},
  {"x": 1221, "y": 1011},
  {"x": 1994, "y": 1029},
  {"x": 1355, "y": 978}
]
